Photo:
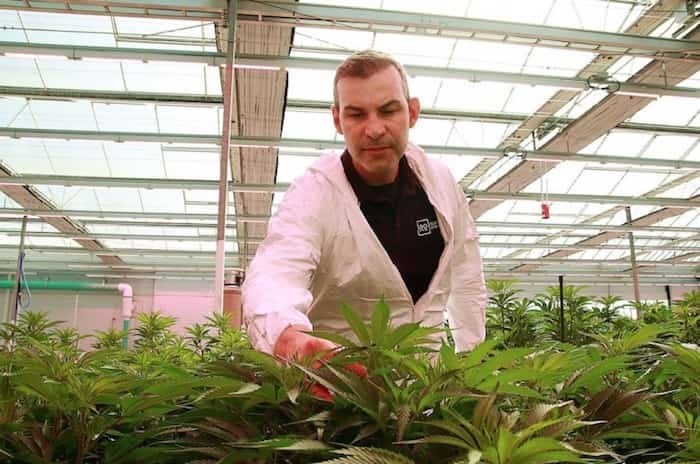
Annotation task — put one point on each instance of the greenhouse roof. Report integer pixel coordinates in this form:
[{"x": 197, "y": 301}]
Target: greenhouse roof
[{"x": 111, "y": 117}]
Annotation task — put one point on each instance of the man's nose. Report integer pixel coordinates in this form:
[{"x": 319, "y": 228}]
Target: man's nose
[{"x": 375, "y": 127}]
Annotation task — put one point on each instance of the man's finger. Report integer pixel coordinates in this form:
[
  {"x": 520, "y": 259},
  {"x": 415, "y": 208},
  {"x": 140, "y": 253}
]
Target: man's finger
[
  {"x": 357, "y": 369},
  {"x": 322, "y": 393}
]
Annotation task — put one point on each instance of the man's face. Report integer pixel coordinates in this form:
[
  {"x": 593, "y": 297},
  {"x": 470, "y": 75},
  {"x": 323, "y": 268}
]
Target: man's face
[{"x": 374, "y": 117}]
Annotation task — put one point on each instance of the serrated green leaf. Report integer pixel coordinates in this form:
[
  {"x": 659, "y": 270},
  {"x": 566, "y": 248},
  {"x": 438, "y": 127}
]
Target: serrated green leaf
[
  {"x": 380, "y": 321},
  {"x": 356, "y": 324}
]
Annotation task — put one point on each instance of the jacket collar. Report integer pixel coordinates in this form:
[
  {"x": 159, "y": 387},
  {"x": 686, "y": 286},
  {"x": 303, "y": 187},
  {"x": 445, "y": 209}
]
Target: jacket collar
[
  {"x": 405, "y": 183},
  {"x": 331, "y": 168}
]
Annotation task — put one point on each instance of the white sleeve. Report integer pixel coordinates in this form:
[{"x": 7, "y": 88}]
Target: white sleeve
[
  {"x": 466, "y": 308},
  {"x": 275, "y": 292}
]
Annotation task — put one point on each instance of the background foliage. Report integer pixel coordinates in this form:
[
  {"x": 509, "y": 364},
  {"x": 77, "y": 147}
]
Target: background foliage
[{"x": 606, "y": 388}]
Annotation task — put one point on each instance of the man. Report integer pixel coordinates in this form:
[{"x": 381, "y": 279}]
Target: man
[{"x": 380, "y": 220}]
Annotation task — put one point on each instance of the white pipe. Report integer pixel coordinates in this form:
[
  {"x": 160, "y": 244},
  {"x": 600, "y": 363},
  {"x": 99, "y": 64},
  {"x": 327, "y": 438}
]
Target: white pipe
[
  {"x": 127, "y": 299},
  {"x": 76, "y": 310}
]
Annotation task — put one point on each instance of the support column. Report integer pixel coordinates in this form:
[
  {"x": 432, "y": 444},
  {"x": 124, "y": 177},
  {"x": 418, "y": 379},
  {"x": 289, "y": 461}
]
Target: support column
[
  {"x": 228, "y": 119},
  {"x": 562, "y": 326},
  {"x": 633, "y": 259},
  {"x": 17, "y": 290}
]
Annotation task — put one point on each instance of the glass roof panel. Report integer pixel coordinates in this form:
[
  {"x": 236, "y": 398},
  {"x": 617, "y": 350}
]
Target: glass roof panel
[
  {"x": 501, "y": 166},
  {"x": 593, "y": 14},
  {"x": 452, "y": 8},
  {"x": 475, "y": 96},
  {"x": 479, "y": 134},
  {"x": 431, "y": 131},
  {"x": 129, "y": 29},
  {"x": 308, "y": 125},
  {"x": 80, "y": 198},
  {"x": 458, "y": 165},
  {"x": 11, "y": 108},
  {"x": 19, "y": 72},
  {"x": 162, "y": 200},
  {"x": 49, "y": 242},
  {"x": 62, "y": 115},
  {"x": 685, "y": 190},
  {"x": 78, "y": 158},
  {"x": 558, "y": 179},
  {"x": 135, "y": 159},
  {"x": 693, "y": 81},
  {"x": 158, "y": 76},
  {"x": 668, "y": 110},
  {"x": 425, "y": 89},
  {"x": 669, "y": 146},
  {"x": 291, "y": 167},
  {"x": 638, "y": 211},
  {"x": 117, "y": 198},
  {"x": 428, "y": 51},
  {"x": 304, "y": 85},
  {"x": 353, "y": 3},
  {"x": 498, "y": 213},
  {"x": 490, "y": 56},
  {"x": 532, "y": 11},
  {"x": 12, "y": 27},
  {"x": 583, "y": 102},
  {"x": 626, "y": 66},
  {"x": 75, "y": 29},
  {"x": 88, "y": 73},
  {"x": 116, "y": 117},
  {"x": 332, "y": 38},
  {"x": 604, "y": 181},
  {"x": 528, "y": 98},
  {"x": 188, "y": 120},
  {"x": 634, "y": 184},
  {"x": 621, "y": 143},
  {"x": 191, "y": 165},
  {"x": 557, "y": 62}
]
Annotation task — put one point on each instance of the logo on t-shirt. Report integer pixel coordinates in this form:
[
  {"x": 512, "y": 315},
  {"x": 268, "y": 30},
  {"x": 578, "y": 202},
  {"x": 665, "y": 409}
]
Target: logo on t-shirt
[{"x": 425, "y": 226}]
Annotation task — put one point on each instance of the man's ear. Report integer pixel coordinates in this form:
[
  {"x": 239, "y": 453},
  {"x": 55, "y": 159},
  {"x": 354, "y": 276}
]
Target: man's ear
[
  {"x": 336, "y": 118},
  {"x": 413, "y": 111}
]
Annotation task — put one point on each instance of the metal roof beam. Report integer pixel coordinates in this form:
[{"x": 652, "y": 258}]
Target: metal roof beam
[
  {"x": 594, "y": 41},
  {"x": 194, "y": 184},
  {"x": 280, "y": 63},
  {"x": 198, "y": 10},
  {"x": 161, "y": 252},
  {"x": 216, "y": 101},
  {"x": 311, "y": 105},
  {"x": 239, "y": 141},
  {"x": 294, "y": 14},
  {"x": 123, "y": 218},
  {"x": 85, "y": 214},
  {"x": 212, "y": 238}
]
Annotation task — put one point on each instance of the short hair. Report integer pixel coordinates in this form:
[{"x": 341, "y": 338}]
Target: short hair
[{"x": 366, "y": 63}]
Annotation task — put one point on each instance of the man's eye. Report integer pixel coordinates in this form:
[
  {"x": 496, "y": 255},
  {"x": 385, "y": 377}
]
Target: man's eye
[{"x": 388, "y": 110}]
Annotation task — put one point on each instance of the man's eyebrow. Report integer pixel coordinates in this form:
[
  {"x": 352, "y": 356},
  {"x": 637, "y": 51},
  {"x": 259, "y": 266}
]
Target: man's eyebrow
[
  {"x": 383, "y": 106},
  {"x": 352, "y": 108},
  {"x": 390, "y": 103}
]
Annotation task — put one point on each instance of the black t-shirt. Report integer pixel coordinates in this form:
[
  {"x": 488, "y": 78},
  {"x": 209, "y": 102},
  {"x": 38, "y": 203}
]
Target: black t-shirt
[{"x": 404, "y": 221}]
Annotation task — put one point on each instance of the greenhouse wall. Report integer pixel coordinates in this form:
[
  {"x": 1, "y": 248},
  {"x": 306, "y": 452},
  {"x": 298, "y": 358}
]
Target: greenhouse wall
[{"x": 190, "y": 301}]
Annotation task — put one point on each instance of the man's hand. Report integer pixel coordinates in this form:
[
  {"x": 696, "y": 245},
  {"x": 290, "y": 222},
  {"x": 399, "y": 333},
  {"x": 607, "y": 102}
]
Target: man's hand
[{"x": 293, "y": 343}]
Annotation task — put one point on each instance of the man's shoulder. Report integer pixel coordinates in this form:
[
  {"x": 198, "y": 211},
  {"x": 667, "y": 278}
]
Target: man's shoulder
[
  {"x": 426, "y": 164},
  {"x": 319, "y": 177}
]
